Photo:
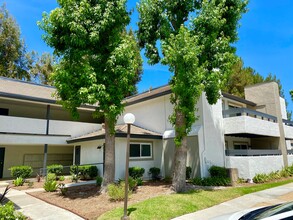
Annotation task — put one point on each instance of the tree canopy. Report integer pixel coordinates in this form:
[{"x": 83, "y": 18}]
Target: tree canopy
[
  {"x": 196, "y": 43},
  {"x": 99, "y": 60}
]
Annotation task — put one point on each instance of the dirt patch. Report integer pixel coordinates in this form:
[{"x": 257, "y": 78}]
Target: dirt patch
[{"x": 87, "y": 202}]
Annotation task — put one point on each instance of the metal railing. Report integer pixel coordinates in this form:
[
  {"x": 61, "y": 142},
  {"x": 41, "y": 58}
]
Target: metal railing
[
  {"x": 252, "y": 152},
  {"x": 235, "y": 112},
  {"x": 288, "y": 123}
]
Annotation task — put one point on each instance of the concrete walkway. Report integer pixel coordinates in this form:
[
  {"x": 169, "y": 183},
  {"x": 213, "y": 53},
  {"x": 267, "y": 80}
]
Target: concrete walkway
[
  {"x": 38, "y": 209},
  {"x": 262, "y": 198}
]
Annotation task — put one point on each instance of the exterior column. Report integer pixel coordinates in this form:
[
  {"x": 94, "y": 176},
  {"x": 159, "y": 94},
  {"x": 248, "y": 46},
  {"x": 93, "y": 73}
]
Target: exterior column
[{"x": 46, "y": 145}]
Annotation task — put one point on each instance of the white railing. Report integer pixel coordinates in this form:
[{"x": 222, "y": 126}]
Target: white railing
[
  {"x": 250, "y": 152},
  {"x": 20, "y": 125}
]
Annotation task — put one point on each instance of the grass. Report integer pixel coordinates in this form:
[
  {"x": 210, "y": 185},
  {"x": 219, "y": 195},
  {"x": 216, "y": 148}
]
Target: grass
[{"x": 171, "y": 206}]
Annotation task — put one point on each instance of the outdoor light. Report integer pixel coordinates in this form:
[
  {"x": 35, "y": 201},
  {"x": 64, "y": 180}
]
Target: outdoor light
[{"x": 129, "y": 119}]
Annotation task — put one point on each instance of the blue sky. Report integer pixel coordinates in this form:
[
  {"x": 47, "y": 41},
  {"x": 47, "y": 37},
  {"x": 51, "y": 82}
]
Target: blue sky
[{"x": 265, "y": 38}]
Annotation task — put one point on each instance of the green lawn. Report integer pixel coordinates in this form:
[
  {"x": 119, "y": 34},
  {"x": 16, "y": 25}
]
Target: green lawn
[{"x": 171, "y": 206}]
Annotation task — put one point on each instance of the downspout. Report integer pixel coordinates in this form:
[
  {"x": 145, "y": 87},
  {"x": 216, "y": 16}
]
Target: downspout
[
  {"x": 46, "y": 145},
  {"x": 204, "y": 141}
]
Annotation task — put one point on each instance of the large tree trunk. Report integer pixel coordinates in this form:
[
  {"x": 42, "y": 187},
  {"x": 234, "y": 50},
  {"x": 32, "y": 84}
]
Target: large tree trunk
[
  {"x": 109, "y": 149},
  {"x": 180, "y": 157}
]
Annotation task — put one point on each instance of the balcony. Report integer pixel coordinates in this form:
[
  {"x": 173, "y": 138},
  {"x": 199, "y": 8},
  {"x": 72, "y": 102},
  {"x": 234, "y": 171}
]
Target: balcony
[
  {"x": 247, "y": 121},
  {"x": 252, "y": 152},
  {"x": 20, "y": 130},
  {"x": 288, "y": 129}
]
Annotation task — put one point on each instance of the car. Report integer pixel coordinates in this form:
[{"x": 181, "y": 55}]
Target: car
[{"x": 282, "y": 211}]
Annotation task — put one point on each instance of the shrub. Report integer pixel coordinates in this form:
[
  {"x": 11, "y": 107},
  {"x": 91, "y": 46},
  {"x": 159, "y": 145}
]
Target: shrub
[
  {"x": 216, "y": 171},
  {"x": 188, "y": 172},
  {"x": 7, "y": 211},
  {"x": 139, "y": 182},
  {"x": 84, "y": 171},
  {"x": 136, "y": 172},
  {"x": 19, "y": 181},
  {"x": 116, "y": 191},
  {"x": 99, "y": 180},
  {"x": 51, "y": 177},
  {"x": 61, "y": 178},
  {"x": 21, "y": 171},
  {"x": 155, "y": 172},
  {"x": 260, "y": 178},
  {"x": 50, "y": 186},
  {"x": 132, "y": 183},
  {"x": 55, "y": 168}
]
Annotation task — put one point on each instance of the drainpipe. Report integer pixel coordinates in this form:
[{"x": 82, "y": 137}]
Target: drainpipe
[{"x": 46, "y": 145}]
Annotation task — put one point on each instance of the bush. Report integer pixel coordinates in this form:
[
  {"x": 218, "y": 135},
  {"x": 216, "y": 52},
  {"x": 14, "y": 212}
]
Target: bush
[
  {"x": 21, "y": 171},
  {"x": 117, "y": 191},
  {"x": 51, "y": 177},
  {"x": 188, "y": 172},
  {"x": 260, "y": 178},
  {"x": 139, "y": 182},
  {"x": 99, "y": 180},
  {"x": 155, "y": 172},
  {"x": 216, "y": 171},
  {"x": 55, "y": 168},
  {"x": 19, "y": 181},
  {"x": 212, "y": 181},
  {"x": 63, "y": 188},
  {"x": 136, "y": 172},
  {"x": 50, "y": 186},
  {"x": 61, "y": 178},
  {"x": 84, "y": 171},
  {"x": 7, "y": 211}
]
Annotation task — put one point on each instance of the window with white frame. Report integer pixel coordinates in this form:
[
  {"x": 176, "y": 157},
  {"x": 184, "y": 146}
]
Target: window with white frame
[{"x": 141, "y": 150}]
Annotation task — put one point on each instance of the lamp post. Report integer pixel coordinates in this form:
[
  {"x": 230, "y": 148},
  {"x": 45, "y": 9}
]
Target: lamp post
[{"x": 129, "y": 119}]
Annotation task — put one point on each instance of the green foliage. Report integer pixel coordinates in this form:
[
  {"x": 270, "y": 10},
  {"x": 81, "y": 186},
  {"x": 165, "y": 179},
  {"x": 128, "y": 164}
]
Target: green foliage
[
  {"x": 116, "y": 191},
  {"x": 51, "y": 177},
  {"x": 212, "y": 181},
  {"x": 19, "y": 181},
  {"x": 84, "y": 171},
  {"x": 198, "y": 49},
  {"x": 99, "y": 180},
  {"x": 274, "y": 175},
  {"x": 216, "y": 171},
  {"x": 155, "y": 172},
  {"x": 136, "y": 172},
  {"x": 8, "y": 212},
  {"x": 139, "y": 182},
  {"x": 55, "y": 168},
  {"x": 132, "y": 183},
  {"x": 61, "y": 178},
  {"x": 50, "y": 186},
  {"x": 21, "y": 171},
  {"x": 188, "y": 172},
  {"x": 100, "y": 60}
]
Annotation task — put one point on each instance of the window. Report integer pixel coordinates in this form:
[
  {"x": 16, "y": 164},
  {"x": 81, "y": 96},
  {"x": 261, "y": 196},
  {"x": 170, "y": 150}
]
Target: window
[
  {"x": 240, "y": 145},
  {"x": 140, "y": 150}
]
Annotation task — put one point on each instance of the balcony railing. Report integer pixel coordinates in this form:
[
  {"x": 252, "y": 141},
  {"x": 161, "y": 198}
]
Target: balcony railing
[
  {"x": 248, "y": 112},
  {"x": 252, "y": 152},
  {"x": 288, "y": 123}
]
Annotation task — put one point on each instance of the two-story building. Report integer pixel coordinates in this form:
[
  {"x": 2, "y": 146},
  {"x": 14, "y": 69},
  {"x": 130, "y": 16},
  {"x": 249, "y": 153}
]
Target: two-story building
[{"x": 251, "y": 134}]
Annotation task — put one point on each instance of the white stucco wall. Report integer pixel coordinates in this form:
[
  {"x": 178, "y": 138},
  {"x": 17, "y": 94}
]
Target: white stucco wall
[
  {"x": 288, "y": 130},
  {"x": 283, "y": 108},
  {"x": 249, "y": 166},
  {"x": 290, "y": 160},
  {"x": 211, "y": 137},
  {"x": 250, "y": 125},
  {"x": 90, "y": 154}
]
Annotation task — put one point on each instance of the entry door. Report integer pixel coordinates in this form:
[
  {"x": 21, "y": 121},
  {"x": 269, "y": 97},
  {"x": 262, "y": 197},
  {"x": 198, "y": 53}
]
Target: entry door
[
  {"x": 2, "y": 152},
  {"x": 77, "y": 155}
]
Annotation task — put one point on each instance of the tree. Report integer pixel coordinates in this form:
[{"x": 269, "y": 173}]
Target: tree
[
  {"x": 12, "y": 49},
  {"x": 197, "y": 50},
  {"x": 99, "y": 62}
]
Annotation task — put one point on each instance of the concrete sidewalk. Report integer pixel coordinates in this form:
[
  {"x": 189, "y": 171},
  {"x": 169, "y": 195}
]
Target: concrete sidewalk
[
  {"x": 38, "y": 209},
  {"x": 262, "y": 198}
]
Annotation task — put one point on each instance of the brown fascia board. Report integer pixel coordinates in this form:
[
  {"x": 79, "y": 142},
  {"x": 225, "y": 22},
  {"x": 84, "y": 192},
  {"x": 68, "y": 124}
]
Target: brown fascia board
[
  {"x": 37, "y": 99},
  {"x": 238, "y": 99},
  {"x": 148, "y": 95}
]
